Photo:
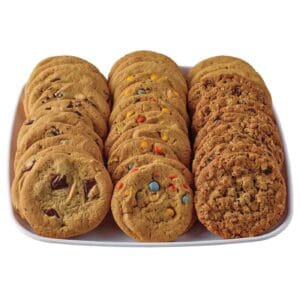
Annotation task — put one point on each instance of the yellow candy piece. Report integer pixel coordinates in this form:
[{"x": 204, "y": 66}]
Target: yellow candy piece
[
  {"x": 164, "y": 136},
  {"x": 130, "y": 78},
  {"x": 165, "y": 110},
  {"x": 170, "y": 212},
  {"x": 144, "y": 145},
  {"x": 129, "y": 113},
  {"x": 153, "y": 77},
  {"x": 127, "y": 92},
  {"x": 127, "y": 192}
]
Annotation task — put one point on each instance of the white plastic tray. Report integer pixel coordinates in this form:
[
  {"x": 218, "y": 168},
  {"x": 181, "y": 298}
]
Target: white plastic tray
[{"x": 108, "y": 233}]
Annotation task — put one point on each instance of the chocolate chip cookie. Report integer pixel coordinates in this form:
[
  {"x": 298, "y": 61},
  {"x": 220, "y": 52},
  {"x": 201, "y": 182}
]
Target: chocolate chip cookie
[{"x": 71, "y": 195}]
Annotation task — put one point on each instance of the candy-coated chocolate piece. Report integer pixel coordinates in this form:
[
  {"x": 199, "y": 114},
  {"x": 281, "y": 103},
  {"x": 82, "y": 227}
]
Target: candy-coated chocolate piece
[
  {"x": 141, "y": 92},
  {"x": 154, "y": 186},
  {"x": 185, "y": 198},
  {"x": 130, "y": 166}
]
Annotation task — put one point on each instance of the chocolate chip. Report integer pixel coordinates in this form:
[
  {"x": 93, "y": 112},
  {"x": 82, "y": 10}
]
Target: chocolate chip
[
  {"x": 87, "y": 186},
  {"x": 51, "y": 212},
  {"x": 28, "y": 122},
  {"x": 70, "y": 105},
  {"x": 78, "y": 113},
  {"x": 55, "y": 79},
  {"x": 267, "y": 170},
  {"x": 28, "y": 166},
  {"x": 48, "y": 108},
  {"x": 251, "y": 110},
  {"x": 59, "y": 182},
  {"x": 90, "y": 102},
  {"x": 208, "y": 83},
  {"x": 206, "y": 110},
  {"x": 236, "y": 91},
  {"x": 54, "y": 131}
]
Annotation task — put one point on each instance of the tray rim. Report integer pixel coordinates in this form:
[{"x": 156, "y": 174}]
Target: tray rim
[{"x": 274, "y": 232}]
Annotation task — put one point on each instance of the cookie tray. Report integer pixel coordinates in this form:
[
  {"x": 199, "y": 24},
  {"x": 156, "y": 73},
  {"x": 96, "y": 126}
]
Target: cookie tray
[{"x": 108, "y": 233}]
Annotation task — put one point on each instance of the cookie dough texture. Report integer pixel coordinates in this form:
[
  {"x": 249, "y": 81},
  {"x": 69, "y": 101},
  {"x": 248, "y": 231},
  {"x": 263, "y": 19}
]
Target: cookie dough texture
[
  {"x": 238, "y": 153},
  {"x": 61, "y": 186},
  {"x": 147, "y": 142}
]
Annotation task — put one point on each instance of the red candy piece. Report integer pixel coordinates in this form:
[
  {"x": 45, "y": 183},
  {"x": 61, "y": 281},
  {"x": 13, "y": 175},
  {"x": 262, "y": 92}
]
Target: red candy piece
[
  {"x": 153, "y": 99},
  {"x": 140, "y": 119},
  {"x": 134, "y": 170},
  {"x": 171, "y": 187},
  {"x": 157, "y": 150},
  {"x": 119, "y": 185},
  {"x": 185, "y": 186}
]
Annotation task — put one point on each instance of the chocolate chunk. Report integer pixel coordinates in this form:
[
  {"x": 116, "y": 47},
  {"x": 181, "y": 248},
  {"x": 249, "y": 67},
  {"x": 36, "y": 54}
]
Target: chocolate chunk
[
  {"x": 48, "y": 108},
  {"x": 90, "y": 102},
  {"x": 51, "y": 212},
  {"x": 70, "y": 105},
  {"x": 87, "y": 186},
  {"x": 267, "y": 170},
  {"x": 59, "y": 182},
  {"x": 78, "y": 113},
  {"x": 54, "y": 131},
  {"x": 236, "y": 91},
  {"x": 208, "y": 83},
  {"x": 28, "y": 122}
]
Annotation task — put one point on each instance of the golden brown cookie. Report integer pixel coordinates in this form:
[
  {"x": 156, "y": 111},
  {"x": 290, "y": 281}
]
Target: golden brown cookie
[
  {"x": 221, "y": 63},
  {"x": 65, "y": 73},
  {"x": 138, "y": 146},
  {"x": 80, "y": 142},
  {"x": 175, "y": 103},
  {"x": 160, "y": 88},
  {"x": 58, "y": 91},
  {"x": 259, "y": 134},
  {"x": 153, "y": 204},
  {"x": 43, "y": 130},
  {"x": 140, "y": 160},
  {"x": 142, "y": 56},
  {"x": 82, "y": 108},
  {"x": 66, "y": 194},
  {"x": 172, "y": 136},
  {"x": 140, "y": 119},
  {"x": 227, "y": 83},
  {"x": 205, "y": 111},
  {"x": 141, "y": 71},
  {"x": 58, "y": 60},
  {"x": 240, "y": 195}
]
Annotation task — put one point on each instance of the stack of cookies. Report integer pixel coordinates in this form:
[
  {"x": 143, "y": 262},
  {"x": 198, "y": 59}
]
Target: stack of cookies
[
  {"x": 240, "y": 190},
  {"x": 61, "y": 186},
  {"x": 148, "y": 149}
]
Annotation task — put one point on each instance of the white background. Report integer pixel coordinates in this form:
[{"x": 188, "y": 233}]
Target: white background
[{"x": 264, "y": 32}]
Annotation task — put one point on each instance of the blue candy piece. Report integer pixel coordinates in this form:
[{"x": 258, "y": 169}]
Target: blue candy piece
[
  {"x": 130, "y": 166},
  {"x": 154, "y": 186},
  {"x": 141, "y": 92},
  {"x": 185, "y": 198}
]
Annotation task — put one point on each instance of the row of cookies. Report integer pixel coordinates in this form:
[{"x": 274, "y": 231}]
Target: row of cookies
[
  {"x": 61, "y": 186},
  {"x": 148, "y": 149},
  {"x": 238, "y": 153}
]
